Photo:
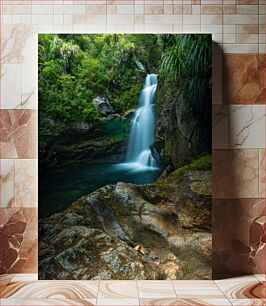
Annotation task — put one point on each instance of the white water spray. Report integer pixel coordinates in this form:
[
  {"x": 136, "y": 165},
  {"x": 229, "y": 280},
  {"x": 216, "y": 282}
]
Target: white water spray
[{"x": 142, "y": 127}]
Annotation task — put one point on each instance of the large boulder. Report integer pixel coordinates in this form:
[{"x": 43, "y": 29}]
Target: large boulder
[
  {"x": 126, "y": 231},
  {"x": 81, "y": 252},
  {"x": 102, "y": 105}
]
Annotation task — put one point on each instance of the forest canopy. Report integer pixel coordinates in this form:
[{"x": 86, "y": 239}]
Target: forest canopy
[{"x": 74, "y": 69}]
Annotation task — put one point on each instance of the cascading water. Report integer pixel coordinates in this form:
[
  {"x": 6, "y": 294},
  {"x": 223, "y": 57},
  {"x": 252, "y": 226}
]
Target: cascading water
[{"x": 142, "y": 127}]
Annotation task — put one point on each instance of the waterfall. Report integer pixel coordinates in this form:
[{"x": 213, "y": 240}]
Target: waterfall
[{"x": 142, "y": 127}]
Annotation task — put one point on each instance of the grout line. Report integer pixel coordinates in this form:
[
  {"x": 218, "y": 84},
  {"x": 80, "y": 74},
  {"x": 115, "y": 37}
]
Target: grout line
[
  {"x": 138, "y": 291},
  {"x": 174, "y": 289},
  {"x": 220, "y": 289},
  {"x": 98, "y": 289}
]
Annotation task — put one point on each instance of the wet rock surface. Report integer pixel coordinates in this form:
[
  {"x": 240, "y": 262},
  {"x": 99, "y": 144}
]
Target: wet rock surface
[
  {"x": 102, "y": 105},
  {"x": 126, "y": 231}
]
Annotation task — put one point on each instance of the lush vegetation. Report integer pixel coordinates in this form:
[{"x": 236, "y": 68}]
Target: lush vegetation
[
  {"x": 73, "y": 69},
  {"x": 187, "y": 63}
]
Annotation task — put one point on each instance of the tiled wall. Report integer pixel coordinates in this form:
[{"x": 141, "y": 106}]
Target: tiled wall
[{"x": 238, "y": 29}]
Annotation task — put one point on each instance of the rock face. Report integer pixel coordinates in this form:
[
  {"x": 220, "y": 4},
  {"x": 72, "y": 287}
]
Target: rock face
[
  {"x": 127, "y": 231},
  {"x": 178, "y": 141},
  {"x": 102, "y": 105},
  {"x": 85, "y": 142},
  {"x": 100, "y": 149}
]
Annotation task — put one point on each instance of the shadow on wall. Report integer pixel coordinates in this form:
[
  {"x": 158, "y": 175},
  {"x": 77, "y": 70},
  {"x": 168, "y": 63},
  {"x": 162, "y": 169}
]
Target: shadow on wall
[{"x": 239, "y": 217}]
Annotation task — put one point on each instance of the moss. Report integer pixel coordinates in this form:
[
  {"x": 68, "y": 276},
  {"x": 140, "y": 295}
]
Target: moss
[{"x": 202, "y": 163}]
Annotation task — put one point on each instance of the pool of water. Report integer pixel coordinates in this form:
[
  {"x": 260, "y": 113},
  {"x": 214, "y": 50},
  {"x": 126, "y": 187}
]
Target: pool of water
[{"x": 60, "y": 187}]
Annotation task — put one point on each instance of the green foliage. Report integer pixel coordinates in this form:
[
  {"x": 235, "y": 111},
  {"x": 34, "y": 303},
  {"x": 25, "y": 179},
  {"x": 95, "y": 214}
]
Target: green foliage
[
  {"x": 188, "y": 63},
  {"x": 73, "y": 69},
  {"x": 202, "y": 163}
]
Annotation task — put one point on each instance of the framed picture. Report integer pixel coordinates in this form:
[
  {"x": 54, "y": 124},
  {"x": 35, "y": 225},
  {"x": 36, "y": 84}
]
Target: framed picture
[{"x": 125, "y": 156}]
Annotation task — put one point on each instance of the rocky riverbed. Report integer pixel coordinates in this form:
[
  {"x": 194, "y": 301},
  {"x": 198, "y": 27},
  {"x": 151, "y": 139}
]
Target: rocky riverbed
[{"x": 125, "y": 231}]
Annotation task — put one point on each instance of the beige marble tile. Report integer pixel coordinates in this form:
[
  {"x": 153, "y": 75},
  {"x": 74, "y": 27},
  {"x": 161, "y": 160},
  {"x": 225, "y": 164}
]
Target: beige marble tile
[
  {"x": 5, "y": 279},
  {"x": 111, "y": 10},
  {"x": 118, "y": 290},
  {"x": 247, "y": 126},
  {"x": 153, "y": 9},
  {"x": 19, "y": 44},
  {"x": 25, "y": 277},
  {"x": 229, "y": 38},
  {"x": 262, "y": 171},
  {"x": 168, "y": 8},
  {"x": 240, "y": 19},
  {"x": 229, "y": 9},
  {"x": 211, "y": 19},
  {"x": 178, "y": 9},
  {"x": 260, "y": 277},
  {"x": 187, "y": 9},
  {"x": 247, "y": 9},
  {"x": 240, "y": 48},
  {"x": 235, "y": 173},
  {"x": 51, "y": 290},
  {"x": 211, "y": 9},
  {"x": 248, "y": 302},
  {"x": 139, "y": 19},
  {"x": 96, "y": 9},
  {"x": 195, "y": 9},
  {"x": 42, "y": 19},
  {"x": 216, "y": 78},
  {"x": 190, "y": 28},
  {"x": 191, "y": 19},
  {"x": 29, "y": 86},
  {"x": 120, "y": 19},
  {"x": 237, "y": 231},
  {"x": 248, "y": 29},
  {"x": 79, "y": 8},
  {"x": 125, "y": 28},
  {"x": 18, "y": 129},
  {"x": 220, "y": 127},
  {"x": 229, "y": 28},
  {"x": 11, "y": 82},
  {"x": 216, "y": 2},
  {"x": 247, "y": 38},
  {"x": 184, "y": 302},
  {"x": 163, "y": 19},
  {"x": 245, "y": 287},
  {"x": 197, "y": 289},
  {"x": 18, "y": 230},
  {"x": 160, "y": 28},
  {"x": 117, "y": 302},
  {"x": 247, "y": 1},
  {"x": 44, "y": 9},
  {"x": 156, "y": 289},
  {"x": 7, "y": 183},
  {"x": 26, "y": 183},
  {"x": 209, "y": 28},
  {"x": 243, "y": 77},
  {"x": 48, "y": 302}
]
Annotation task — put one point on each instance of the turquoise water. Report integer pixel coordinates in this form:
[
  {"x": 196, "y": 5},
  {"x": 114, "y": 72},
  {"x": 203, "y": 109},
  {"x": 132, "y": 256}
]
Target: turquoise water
[{"x": 60, "y": 187}]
